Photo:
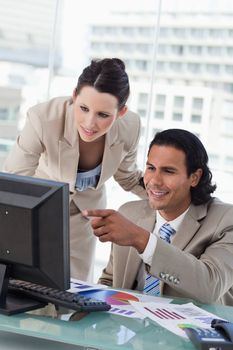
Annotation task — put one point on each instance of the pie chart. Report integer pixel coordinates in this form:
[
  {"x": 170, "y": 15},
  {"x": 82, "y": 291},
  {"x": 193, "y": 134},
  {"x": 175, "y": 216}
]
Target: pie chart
[{"x": 112, "y": 297}]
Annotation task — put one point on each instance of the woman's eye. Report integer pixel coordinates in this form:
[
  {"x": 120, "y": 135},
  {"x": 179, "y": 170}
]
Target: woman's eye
[
  {"x": 103, "y": 115},
  {"x": 84, "y": 109}
]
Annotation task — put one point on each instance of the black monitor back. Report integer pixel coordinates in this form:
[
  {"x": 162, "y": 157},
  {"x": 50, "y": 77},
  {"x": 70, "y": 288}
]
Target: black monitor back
[{"x": 34, "y": 229}]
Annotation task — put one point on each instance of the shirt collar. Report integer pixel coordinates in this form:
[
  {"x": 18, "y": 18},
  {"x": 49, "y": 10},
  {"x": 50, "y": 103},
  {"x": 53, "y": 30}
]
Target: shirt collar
[{"x": 175, "y": 224}]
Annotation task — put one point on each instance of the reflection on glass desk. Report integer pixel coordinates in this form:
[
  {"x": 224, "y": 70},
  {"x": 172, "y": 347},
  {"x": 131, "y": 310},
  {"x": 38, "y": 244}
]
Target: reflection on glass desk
[{"x": 99, "y": 330}]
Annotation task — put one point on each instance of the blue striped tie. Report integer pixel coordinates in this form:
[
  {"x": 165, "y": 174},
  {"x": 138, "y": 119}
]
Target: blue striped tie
[{"x": 152, "y": 283}]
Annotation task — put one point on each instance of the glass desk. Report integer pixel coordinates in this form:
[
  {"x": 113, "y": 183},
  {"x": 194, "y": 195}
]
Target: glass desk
[{"x": 98, "y": 330}]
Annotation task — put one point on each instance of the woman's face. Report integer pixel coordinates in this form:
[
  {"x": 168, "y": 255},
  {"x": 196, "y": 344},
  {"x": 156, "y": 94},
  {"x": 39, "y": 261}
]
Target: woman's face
[{"x": 95, "y": 113}]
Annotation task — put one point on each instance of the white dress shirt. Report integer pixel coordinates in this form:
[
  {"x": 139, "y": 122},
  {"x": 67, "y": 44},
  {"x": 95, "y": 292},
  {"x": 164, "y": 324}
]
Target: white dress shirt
[
  {"x": 149, "y": 251},
  {"x": 151, "y": 245}
]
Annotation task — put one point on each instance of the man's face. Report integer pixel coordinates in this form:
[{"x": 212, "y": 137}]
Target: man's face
[{"x": 166, "y": 181}]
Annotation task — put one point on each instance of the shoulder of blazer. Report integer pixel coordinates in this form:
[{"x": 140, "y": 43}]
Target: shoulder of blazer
[
  {"x": 213, "y": 208},
  {"x": 126, "y": 129},
  {"x": 130, "y": 119},
  {"x": 54, "y": 109},
  {"x": 140, "y": 207}
]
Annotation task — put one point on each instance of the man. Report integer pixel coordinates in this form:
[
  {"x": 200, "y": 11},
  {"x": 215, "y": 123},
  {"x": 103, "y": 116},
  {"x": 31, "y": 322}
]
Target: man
[{"x": 198, "y": 262}]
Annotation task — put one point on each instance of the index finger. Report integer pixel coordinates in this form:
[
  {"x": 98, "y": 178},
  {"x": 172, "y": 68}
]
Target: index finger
[{"x": 97, "y": 212}]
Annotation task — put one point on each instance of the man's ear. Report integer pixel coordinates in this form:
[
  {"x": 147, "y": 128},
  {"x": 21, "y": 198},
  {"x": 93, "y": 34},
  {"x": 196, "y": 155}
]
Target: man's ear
[
  {"x": 122, "y": 111},
  {"x": 196, "y": 176}
]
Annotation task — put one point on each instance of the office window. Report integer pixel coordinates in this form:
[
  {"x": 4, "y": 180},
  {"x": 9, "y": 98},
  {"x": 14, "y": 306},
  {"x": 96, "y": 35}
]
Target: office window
[
  {"x": 160, "y": 100},
  {"x": 145, "y": 31},
  {"x": 4, "y": 148},
  {"x": 214, "y": 50},
  {"x": 163, "y": 49},
  {"x": 142, "y": 131},
  {"x": 98, "y": 30},
  {"x": 228, "y": 108},
  {"x": 142, "y": 112},
  {"x": 196, "y": 118},
  {"x": 195, "y": 50},
  {"x": 213, "y": 68},
  {"x": 194, "y": 67},
  {"x": 141, "y": 65},
  {"x": 177, "y": 116},
  {"x": 144, "y": 48},
  {"x": 4, "y": 113},
  {"x": 161, "y": 66},
  {"x": 143, "y": 98},
  {"x": 112, "y": 30},
  {"x": 230, "y": 33},
  {"x": 229, "y": 161},
  {"x": 226, "y": 142},
  {"x": 197, "y": 103},
  {"x": 179, "y": 32},
  {"x": 227, "y": 125},
  {"x": 229, "y": 69},
  {"x": 197, "y": 33},
  {"x": 176, "y": 67},
  {"x": 128, "y": 31},
  {"x": 159, "y": 114},
  {"x": 155, "y": 131},
  {"x": 6, "y": 144},
  {"x": 228, "y": 87},
  {"x": 229, "y": 51},
  {"x": 216, "y": 33},
  {"x": 164, "y": 32},
  {"x": 179, "y": 101},
  {"x": 1, "y": 34},
  {"x": 111, "y": 46},
  {"x": 213, "y": 160}
]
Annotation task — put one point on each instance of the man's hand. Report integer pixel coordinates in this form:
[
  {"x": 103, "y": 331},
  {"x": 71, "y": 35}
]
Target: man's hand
[{"x": 111, "y": 226}]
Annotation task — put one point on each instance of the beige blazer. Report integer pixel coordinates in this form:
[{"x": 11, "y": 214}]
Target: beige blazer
[
  {"x": 48, "y": 147},
  {"x": 198, "y": 264}
]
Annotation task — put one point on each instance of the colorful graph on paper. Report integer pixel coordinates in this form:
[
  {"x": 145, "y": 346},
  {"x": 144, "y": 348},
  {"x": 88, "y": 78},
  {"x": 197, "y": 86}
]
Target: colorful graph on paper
[
  {"x": 165, "y": 314},
  {"x": 112, "y": 297}
]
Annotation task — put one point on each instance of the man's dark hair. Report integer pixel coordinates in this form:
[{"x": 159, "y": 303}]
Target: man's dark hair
[
  {"x": 107, "y": 75},
  {"x": 196, "y": 158}
]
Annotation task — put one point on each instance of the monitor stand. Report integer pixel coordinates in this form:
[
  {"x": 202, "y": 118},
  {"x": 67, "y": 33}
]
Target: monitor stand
[{"x": 11, "y": 302}]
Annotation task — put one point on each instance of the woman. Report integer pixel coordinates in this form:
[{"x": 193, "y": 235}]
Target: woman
[{"x": 83, "y": 140}]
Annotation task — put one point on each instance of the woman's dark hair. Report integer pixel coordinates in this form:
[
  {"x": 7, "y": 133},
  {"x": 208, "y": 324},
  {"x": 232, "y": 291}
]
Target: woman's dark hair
[
  {"x": 196, "y": 158},
  {"x": 106, "y": 75}
]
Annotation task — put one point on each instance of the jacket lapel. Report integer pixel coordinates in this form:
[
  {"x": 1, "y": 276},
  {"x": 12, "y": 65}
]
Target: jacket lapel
[
  {"x": 189, "y": 226},
  {"x": 69, "y": 150},
  {"x": 113, "y": 154}
]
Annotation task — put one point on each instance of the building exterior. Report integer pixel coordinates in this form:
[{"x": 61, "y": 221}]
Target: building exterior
[
  {"x": 10, "y": 100},
  {"x": 193, "y": 73},
  {"x": 25, "y": 43},
  {"x": 183, "y": 80},
  {"x": 26, "y": 30}
]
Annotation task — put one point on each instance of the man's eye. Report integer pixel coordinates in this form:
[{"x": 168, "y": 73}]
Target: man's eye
[{"x": 84, "y": 109}]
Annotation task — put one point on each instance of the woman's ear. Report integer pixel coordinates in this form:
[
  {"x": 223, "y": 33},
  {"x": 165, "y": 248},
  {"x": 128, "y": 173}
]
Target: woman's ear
[
  {"x": 122, "y": 111},
  {"x": 74, "y": 95}
]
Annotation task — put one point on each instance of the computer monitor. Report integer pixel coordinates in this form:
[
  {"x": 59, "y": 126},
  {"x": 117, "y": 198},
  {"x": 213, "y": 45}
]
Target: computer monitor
[{"x": 34, "y": 237}]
